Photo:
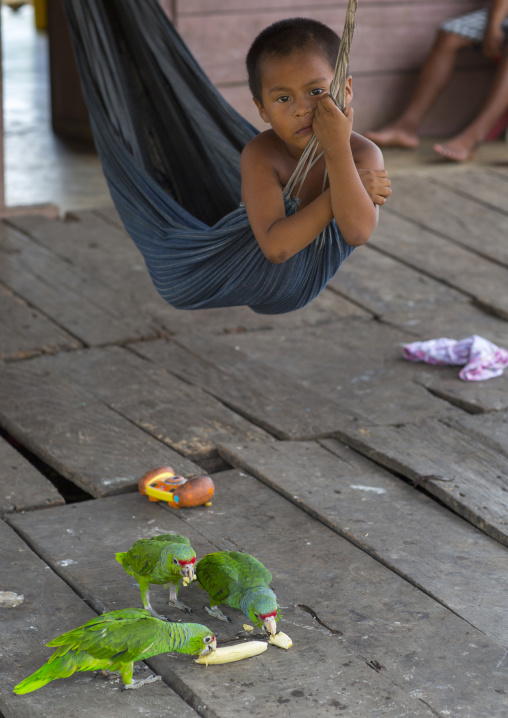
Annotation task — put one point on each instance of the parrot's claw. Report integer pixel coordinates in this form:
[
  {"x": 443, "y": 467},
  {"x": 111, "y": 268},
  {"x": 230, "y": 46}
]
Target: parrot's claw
[
  {"x": 182, "y": 606},
  {"x": 217, "y": 613},
  {"x": 142, "y": 682},
  {"x": 108, "y": 675}
]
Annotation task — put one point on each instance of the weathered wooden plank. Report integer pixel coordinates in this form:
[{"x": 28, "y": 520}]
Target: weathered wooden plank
[
  {"x": 449, "y": 214},
  {"x": 413, "y": 301},
  {"x": 24, "y": 331},
  {"x": 383, "y": 285},
  {"x": 407, "y": 531},
  {"x": 366, "y": 615},
  {"x": 457, "y": 319},
  {"x": 265, "y": 395},
  {"x": 479, "y": 184},
  {"x": 47, "y": 607},
  {"x": 360, "y": 369},
  {"x": 491, "y": 430},
  {"x": 483, "y": 280},
  {"x": 181, "y": 415},
  {"x": 335, "y": 673},
  {"x": 22, "y": 487},
  {"x": 78, "y": 435},
  {"x": 466, "y": 475},
  {"x": 70, "y": 297},
  {"x": 474, "y": 397}
]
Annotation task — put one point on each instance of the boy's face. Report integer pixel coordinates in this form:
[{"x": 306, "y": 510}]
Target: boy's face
[{"x": 291, "y": 88}]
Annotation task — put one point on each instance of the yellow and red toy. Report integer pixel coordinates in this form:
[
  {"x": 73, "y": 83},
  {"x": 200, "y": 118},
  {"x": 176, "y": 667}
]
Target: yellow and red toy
[{"x": 162, "y": 484}]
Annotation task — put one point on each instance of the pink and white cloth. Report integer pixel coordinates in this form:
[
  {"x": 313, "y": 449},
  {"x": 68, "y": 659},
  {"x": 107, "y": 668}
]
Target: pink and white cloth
[{"x": 483, "y": 359}]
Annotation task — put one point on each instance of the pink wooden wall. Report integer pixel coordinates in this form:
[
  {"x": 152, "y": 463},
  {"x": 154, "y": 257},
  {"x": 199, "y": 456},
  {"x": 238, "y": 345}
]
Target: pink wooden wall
[{"x": 391, "y": 41}]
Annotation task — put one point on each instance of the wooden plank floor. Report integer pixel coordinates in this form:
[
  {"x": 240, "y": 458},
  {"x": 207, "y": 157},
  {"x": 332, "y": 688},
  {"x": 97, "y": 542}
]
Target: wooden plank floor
[{"x": 374, "y": 489}]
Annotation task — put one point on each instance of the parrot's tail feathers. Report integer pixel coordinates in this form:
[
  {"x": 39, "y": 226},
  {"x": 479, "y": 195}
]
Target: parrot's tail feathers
[
  {"x": 37, "y": 680},
  {"x": 32, "y": 683},
  {"x": 60, "y": 666}
]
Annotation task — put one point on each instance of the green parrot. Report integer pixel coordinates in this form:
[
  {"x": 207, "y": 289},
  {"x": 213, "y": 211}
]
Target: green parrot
[
  {"x": 163, "y": 559},
  {"x": 114, "y": 641},
  {"x": 239, "y": 580}
]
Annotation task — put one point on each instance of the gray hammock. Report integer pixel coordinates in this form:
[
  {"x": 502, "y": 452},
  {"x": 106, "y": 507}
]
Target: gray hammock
[{"x": 170, "y": 149}]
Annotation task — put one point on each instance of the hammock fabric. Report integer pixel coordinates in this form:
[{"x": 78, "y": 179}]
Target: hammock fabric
[{"x": 170, "y": 148}]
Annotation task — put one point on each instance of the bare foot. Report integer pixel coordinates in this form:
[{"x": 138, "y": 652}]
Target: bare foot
[
  {"x": 394, "y": 136},
  {"x": 458, "y": 149}
]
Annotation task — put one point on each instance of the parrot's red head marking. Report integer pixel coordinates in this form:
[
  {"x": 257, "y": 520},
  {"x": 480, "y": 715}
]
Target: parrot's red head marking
[
  {"x": 268, "y": 615},
  {"x": 186, "y": 563}
]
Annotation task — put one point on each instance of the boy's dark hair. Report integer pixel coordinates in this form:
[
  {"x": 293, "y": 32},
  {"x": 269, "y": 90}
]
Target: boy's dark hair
[{"x": 285, "y": 37}]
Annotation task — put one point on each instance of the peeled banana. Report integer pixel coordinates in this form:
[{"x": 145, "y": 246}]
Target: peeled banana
[
  {"x": 282, "y": 640},
  {"x": 228, "y": 654}
]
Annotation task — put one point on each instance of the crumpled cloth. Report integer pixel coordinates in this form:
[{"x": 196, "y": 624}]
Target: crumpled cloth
[{"x": 483, "y": 359}]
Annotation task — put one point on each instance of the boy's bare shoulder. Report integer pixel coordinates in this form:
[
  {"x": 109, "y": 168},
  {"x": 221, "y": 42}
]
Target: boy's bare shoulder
[
  {"x": 264, "y": 147},
  {"x": 366, "y": 154}
]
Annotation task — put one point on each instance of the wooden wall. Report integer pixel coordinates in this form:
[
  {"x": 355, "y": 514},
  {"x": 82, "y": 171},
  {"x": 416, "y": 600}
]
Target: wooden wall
[{"x": 391, "y": 41}]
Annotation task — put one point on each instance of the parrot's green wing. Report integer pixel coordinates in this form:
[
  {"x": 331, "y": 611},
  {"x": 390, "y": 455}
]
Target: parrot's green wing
[
  {"x": 251, "y": 572},
  {"x": 142, "y": 557},
  {"x": 123, "y": 635},
  {"x": 218, "y": 575}
]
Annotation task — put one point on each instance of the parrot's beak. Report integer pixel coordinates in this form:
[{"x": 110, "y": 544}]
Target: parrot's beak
[
  {"x": 270, "y": 625},
  {"x": 209, "y": 648},
  {"x": 187, "y": 571}
]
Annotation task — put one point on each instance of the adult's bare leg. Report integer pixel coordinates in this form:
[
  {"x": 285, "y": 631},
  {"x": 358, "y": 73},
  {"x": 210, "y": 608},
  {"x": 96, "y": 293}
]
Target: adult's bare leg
[
  {"x": 462, "y": 147},
  {"x": 434, "y": 76}
]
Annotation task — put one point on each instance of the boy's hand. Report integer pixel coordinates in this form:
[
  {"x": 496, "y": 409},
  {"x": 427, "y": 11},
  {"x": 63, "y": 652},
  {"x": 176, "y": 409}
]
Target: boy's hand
[
  {"x": 331, "y": 126},
  {"x": 377, "y": 185}
]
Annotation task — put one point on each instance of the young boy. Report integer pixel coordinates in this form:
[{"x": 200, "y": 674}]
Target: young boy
[{"x": 290, "y": 67}]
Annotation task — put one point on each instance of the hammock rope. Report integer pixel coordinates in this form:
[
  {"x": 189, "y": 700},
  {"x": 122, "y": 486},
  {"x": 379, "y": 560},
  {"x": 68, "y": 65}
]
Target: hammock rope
[
  {"x": 170, "y": 147},
  {"x": 337, "y": 92}
]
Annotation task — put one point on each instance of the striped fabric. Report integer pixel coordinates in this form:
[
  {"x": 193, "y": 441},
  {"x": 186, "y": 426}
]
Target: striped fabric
[
  {"x": 170, "y": 149},
  {"x": 472, "y": 25}
]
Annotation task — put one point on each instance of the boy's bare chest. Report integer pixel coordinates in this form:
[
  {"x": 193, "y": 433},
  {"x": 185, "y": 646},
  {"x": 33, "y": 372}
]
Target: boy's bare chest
[{"x": 313, "y": 184}]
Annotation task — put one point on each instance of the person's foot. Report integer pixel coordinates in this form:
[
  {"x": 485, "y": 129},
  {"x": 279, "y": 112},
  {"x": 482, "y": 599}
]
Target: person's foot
[
  {"x": 459, "y": 149},
  {"x": 394, "y": 136}
]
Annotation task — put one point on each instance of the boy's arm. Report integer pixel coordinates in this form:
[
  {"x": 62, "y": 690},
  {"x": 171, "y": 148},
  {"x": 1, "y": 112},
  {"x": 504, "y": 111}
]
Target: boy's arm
[
  {"x": 353, "y": 209},
  {"x": 278, "y": 236}
]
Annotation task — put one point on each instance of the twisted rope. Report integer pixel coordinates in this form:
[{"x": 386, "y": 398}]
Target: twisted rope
[{"x": 337, "y": 92}]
